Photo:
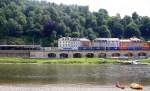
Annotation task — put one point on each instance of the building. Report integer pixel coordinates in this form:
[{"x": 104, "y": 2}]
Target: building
[
  {"x": 148, "y": 44},
  {"x": 124, "y": 43},
  {"x": 106, "y": 43},
  {"x": 112, "y": 43},
  {"x": 68, "y": 43},
  {"x": 136, "y": 44},
  {"x": 99, "y": 42},
  {"x": 133, "y": 44},
  {"x": 85, "y": 42}
]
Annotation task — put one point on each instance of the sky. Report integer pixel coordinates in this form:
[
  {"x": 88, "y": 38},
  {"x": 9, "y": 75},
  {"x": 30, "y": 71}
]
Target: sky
[{"x": 123, "y": 7}]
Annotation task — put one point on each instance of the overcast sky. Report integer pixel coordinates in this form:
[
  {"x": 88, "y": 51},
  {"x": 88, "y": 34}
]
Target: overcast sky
[{"x": 124, "y": 7}]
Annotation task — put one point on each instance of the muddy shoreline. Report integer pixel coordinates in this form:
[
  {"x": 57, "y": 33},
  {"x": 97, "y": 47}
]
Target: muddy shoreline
[{"x": 61, "y": 87}]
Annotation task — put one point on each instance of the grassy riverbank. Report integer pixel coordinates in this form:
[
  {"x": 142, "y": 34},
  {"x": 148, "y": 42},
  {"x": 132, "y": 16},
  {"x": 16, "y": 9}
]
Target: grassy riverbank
[
  {"x": 145, "y": 60},
  {"x": 65, "y": 61}
]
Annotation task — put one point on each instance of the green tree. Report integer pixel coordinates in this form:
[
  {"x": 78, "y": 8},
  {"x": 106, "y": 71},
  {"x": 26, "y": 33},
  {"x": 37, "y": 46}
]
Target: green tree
[
  {"x": 75, "y": 34},
  {"x": 145, "y": 28},
  {"x": 126, "y": 20},
  {"x": 103, "y": 31},
  {"x": 91, "y": 21},
  {"x": 136, "y": 18},
  {"x": 102, "y": 16},
  {"x": 115, "y": 26},
  {"x": 90, "y": 34},
  {"x": 132, "y": 30},
  {"x": 27, "y": 20}
]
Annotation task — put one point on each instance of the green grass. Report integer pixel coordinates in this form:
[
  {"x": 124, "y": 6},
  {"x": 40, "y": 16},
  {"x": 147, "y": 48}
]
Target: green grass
[
  {"x": 145, "y": 60},
  {"x": 64, "y": 61}
]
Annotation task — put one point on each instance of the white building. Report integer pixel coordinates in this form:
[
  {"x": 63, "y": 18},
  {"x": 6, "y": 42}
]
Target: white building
[
  {"x": 113, "y": 42},
  {"x": 68, "y": 43},
  {"x": 99, "y": 42},
  {"x": 106, "y": 42}
]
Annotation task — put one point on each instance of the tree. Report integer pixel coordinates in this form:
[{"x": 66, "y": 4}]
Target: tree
[
  {"x": 91, "y": 21},
  {"x": 116, "y": 28},
  {"x": 103, "y": 31},
  {"x": 49, "y": 27},
  {"x": 136, "y": 18},
  {"x": 25, "y": 20},
  {"x": 61, "y": 29},
  {"x": 132, "y": 30},
  {"x": 75, "y": 34},
  {"x": 14, "y": 28},
  {"x": 126, "y": 20},
  {"x": 3, "y": 24},
  {"x": 90, "y": 34},
  {"x": 102, "y": 15},
  {"x": 145, "y": 28}
]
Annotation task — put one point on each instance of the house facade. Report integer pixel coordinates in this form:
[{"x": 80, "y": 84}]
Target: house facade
[
  {"x": 68, "y": 43},
  {"x": 106, "y": 42}
]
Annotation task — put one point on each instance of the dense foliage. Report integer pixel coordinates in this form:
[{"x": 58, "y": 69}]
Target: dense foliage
[{"x": 33, "y": 22}]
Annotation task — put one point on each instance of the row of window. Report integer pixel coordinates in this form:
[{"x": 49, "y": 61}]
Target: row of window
[{"x": 68, "y": 46}]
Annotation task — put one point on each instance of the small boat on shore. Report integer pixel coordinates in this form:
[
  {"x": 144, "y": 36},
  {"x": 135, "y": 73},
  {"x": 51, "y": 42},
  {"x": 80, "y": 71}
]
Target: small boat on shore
[
  {"x": 136, "y": 86},
  {"x": 134, "y": 62},
  {"x": 118, "y": 85}
]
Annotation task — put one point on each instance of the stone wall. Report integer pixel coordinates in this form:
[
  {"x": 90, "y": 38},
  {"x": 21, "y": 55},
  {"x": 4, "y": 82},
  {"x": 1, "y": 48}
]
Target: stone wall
[
  {"x": 14, "y": 53},
  {"x": 96, "y": 54}
]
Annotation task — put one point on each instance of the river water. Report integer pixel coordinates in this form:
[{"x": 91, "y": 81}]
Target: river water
[{"x": 72, "y": 74}]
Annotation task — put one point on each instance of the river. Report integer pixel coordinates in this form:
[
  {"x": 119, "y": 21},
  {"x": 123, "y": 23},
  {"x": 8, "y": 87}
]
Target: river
[{"x": 103, "y": 76}]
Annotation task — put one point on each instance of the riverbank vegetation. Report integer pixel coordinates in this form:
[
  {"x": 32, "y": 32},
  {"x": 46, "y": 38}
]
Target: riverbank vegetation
[
  {"x": 34, "y": 22},
  {"x": 67, "y": 60},
  {"x": 145, "y": 60},
  {"x": 63, "y": 61}
]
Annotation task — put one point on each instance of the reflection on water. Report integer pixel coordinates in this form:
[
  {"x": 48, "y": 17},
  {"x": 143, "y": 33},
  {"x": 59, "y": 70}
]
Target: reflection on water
[{"x": 101, "y": 74}]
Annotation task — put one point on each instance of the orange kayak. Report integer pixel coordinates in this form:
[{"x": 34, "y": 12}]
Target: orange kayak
[{"x": 136, "y": 86}]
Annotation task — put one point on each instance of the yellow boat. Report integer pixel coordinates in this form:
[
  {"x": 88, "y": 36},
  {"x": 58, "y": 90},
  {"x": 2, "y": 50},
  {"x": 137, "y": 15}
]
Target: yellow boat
[{"x": 136, "y": 86}]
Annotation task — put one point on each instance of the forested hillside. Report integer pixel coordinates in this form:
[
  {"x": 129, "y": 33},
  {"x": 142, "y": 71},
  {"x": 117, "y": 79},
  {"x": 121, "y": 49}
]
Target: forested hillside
[{"x": 33, "y": 22}]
